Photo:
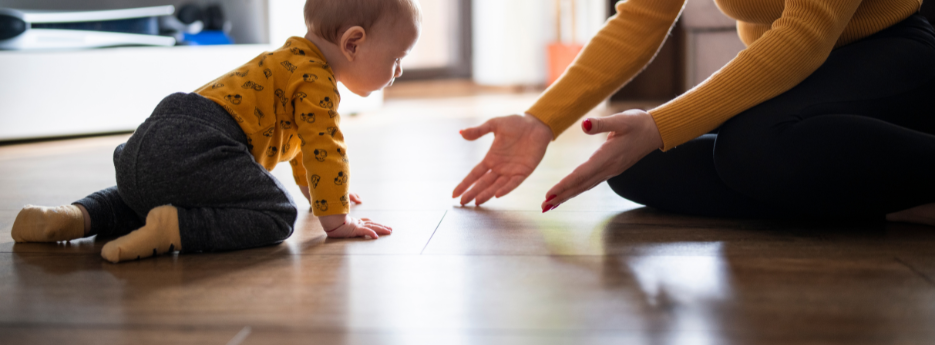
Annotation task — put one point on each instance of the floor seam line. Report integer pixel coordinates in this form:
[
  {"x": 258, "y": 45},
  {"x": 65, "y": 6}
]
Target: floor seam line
[
  {"x": 916, "y": 271},
  {"x": 433, "y": 232}
]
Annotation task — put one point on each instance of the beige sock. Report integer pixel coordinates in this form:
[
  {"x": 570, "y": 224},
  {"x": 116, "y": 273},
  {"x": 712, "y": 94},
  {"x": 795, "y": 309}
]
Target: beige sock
[
  {"x": 160, "y": 235},
  {"x": 48, "y": 224}
]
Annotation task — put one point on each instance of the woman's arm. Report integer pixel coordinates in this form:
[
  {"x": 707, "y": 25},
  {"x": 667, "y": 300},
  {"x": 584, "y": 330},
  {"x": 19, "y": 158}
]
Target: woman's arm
[
  {"x": 796, "y": 45},
  {"x": 619, "y": 51}
]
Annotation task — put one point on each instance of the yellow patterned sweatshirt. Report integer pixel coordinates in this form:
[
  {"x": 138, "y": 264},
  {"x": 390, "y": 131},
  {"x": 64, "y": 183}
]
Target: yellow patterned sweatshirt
[
  {"x": 285, "y": 102},
  {"x": 786, "y": 41}
]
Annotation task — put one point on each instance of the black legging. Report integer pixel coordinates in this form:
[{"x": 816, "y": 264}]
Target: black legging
[{"x": 855, "y": 139}]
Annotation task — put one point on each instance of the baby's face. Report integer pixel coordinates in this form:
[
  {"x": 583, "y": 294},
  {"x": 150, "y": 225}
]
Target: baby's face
[{"x": 377, "y": 64}]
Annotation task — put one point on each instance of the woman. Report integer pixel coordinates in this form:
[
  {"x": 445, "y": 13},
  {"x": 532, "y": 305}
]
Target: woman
[{"x": 828, "y": 112}]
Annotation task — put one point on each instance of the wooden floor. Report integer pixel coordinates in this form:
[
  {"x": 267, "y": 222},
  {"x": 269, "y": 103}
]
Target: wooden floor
[{"x": 598, "y": 270}]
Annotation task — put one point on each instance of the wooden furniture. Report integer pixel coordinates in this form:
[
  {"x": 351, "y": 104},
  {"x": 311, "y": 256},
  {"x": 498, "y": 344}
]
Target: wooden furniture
[{"x": 702, "y": 41}]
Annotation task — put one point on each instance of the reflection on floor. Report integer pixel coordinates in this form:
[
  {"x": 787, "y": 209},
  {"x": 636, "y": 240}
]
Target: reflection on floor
[{"x": 598, "y": 270}]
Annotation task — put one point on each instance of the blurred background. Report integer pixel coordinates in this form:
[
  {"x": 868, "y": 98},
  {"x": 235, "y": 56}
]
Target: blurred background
[{"x": 467, "y": 47}]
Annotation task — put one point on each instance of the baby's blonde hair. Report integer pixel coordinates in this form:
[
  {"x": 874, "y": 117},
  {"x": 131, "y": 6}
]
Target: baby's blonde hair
[{"x": 330, "y": 18}]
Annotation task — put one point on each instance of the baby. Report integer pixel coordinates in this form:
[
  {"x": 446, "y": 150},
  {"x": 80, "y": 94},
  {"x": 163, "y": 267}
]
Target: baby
[{"x": 194, "y": 176}]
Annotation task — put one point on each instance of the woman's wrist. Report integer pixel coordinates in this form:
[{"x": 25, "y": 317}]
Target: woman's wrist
[
  {"x": 538, "y": 125},
  {"x": 652, "y": 130}
]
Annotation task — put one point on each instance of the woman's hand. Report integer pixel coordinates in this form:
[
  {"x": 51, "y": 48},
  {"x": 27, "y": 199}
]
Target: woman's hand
[
  {"x": 518, "y": 146},
  {"x": 633, "y": 135}
]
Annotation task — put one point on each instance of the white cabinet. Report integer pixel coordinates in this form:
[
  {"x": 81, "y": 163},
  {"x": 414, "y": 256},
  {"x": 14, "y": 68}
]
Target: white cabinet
[
  {"x": 78, "y": 92},
  {"x": 49, "y": 94}
]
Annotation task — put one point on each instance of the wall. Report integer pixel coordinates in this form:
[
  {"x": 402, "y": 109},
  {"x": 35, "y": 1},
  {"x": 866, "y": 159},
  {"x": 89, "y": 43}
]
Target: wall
[{"x": 510, "y": 37}]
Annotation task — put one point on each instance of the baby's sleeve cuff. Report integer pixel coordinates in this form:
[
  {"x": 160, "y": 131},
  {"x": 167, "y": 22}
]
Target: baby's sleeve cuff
[{"x": 329, "y": 210}]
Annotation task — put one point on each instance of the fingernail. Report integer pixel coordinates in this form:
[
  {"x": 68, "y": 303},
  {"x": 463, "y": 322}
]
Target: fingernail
[
  {"x": 550, "y": 198},
  {"x": 461, "y": 132},
  {"x": 587, "y": 125},
  {"x": 546, "y": 208},
  {"x": 554, "y": 207}
]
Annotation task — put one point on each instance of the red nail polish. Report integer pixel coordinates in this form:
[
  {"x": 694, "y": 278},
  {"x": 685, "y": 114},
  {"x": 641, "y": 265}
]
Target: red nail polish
[
  {"x": 461, "y": 132},
  {"x": 546, "y": 208},
  {"x": 587, "y": 125},
  {"x": 550, "y": 198},
  {"x": 554, "y": 207}
]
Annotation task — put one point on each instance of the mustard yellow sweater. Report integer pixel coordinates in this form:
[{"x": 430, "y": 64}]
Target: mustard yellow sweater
[
  {"x": 286, "y": 101},
  {"x": 786, "y": 41}
]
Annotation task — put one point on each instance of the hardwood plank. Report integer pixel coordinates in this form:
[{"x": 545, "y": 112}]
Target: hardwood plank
[
  {"x": 469, "y": 231},
  {"x": 412, "y": 231},
  {"x": 85, "y": 334},
  {"x": 190, "y": 335},
  {"x": 759, "y": 297},
  {"x": 6, "y": 225},
  {"x": 598, "y": 270},
  {"x": 922, "y": 265},
  {"x": 479, "y": 231},
  {"x": 56, "y": 179},
  {"x": 549, "y": 338}
]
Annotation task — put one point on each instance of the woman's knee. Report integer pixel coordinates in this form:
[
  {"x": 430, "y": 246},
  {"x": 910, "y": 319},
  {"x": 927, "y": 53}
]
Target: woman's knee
[
  {"x": 637, "y": 183},
  {"x": 625, "y": 187},
  {"x": 747, "y": 158}
]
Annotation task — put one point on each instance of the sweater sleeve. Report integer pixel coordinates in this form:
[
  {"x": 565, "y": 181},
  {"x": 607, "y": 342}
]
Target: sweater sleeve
[
  {"x": 792, "y": 49},
  {"x": 298, "y": 170},
  {"x": 619, "y": 51},
  {"x": 323, "y": 152}
]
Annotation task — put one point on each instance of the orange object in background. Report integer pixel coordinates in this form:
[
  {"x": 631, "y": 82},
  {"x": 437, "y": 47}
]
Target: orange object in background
[{"x": 561, "y": 54}]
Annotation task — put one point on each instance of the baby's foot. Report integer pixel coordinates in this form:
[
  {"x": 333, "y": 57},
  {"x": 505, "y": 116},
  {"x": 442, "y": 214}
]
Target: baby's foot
[
  {"x": 48, "y": 224},
  {"x": 924, "y": 214},
  {"x": 160, "y": 235}
]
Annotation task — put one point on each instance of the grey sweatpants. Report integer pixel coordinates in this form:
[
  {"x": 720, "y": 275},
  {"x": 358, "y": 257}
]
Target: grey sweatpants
[{"x": 192, "y": 155}]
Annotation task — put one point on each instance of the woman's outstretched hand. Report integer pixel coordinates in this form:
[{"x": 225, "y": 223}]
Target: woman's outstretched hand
[
  {"x": 633, "y": 135},
  {"x": 518, "y": 146}
]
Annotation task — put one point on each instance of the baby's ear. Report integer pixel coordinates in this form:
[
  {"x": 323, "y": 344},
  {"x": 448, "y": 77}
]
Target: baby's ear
[{"x": 351, "y": 41}]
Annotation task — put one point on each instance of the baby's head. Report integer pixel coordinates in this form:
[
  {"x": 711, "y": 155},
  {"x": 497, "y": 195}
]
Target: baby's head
[{"x": 364, "y": 40}]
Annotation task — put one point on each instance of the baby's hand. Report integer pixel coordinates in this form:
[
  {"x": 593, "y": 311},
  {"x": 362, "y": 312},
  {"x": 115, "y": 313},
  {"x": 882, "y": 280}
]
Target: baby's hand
[
  {"x": 363, "y": 227},
  {"x": 356, "y": 198}
]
